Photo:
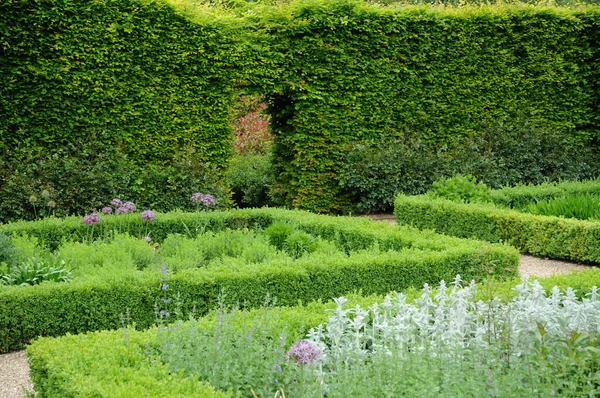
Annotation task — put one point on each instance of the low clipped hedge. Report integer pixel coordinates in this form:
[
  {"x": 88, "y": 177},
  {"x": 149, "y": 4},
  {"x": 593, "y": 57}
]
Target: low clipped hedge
[
  {"x": 407, "y": 258},
  {"x": 544, "y": 236},
  {"x": 118, "y": 364}
]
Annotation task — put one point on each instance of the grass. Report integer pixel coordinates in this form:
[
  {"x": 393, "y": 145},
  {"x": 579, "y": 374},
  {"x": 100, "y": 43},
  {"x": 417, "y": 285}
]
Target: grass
[{"x": 581, "y": 207}]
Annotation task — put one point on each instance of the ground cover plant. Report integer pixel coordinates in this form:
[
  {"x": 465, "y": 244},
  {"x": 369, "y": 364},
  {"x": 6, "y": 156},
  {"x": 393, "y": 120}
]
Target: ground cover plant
[
  {"x": 504, "y": 215},
  {"x": 581, "y": 207},
  {"x": 447, "y": 341},
  {"x": 117, "y": 262}
]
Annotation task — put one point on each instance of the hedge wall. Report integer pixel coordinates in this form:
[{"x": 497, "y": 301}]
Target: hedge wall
[
  {"x": 543, "y": 236},
  {"x": 356, "y": 73},
  {"x": 139, "y": 71},
  {"x": 408, "y": 258}
]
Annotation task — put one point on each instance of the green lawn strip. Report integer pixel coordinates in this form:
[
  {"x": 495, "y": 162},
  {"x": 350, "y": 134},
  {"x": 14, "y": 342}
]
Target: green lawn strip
[{"x": 543, "y": 236}]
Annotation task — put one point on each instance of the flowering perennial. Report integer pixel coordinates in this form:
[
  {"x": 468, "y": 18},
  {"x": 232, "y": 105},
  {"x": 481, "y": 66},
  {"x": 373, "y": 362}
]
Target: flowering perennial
[
  {"x": 206, "y": 199},
  {"x": 304, "y": 353},
  {"x": 92, "y": 218},
  {"x": 148, "y": 215}
]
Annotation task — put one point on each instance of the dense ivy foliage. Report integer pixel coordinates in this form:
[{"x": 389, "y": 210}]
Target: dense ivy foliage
[{"x": 354, "y": 73}]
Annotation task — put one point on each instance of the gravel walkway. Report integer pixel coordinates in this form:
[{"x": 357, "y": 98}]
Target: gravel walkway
[{"x": 14, "y": 370}]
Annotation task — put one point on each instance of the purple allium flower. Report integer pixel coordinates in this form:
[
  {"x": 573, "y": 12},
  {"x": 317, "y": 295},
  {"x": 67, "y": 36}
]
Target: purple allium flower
[
  {"x": 122, "y": 210},
  {"x": 51, "y": 204},
  {"x": 206, "y": 199},
  {"x": 304, "y": 352},
  {"x": 107, "y": 210},
  {"x": 116, "y": 202},
  {"x": 148, "y": 239},
  {"x": 92, "y": 218},
  {"x": 130, "y": 206},
  {"x": 148, "y": 215}
]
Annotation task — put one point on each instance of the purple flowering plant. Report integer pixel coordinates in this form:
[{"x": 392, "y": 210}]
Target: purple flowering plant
[
  {"x": 148, "y": 215},
  {"x": 206, "y": 200}
]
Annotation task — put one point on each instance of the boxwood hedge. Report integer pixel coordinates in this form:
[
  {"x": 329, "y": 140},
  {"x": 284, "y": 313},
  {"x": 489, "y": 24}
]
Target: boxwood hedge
[
  {"x": 407, "y": 257},
  {"x": 544, "y": 236}
]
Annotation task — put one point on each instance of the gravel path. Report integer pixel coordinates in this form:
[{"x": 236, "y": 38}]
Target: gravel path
[
  {"x": 14, "y": 370},
  {"x": 14, "y": 375}
]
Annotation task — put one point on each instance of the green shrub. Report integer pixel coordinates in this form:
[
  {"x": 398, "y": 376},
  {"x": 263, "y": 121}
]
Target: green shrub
[
  {"x": 503, "y": 154},
  {"x": 522, "y": 195},
  {"x": 88, "y": 176},
  {"x": 460, "y": 189},
  {"x": 251, "y": 179},
  {"x": 277, "y": 233},
  {"x": 299, "y": 243},
  {"x": 36, "y": 271},
  {"x": 582, "y": 207},
  {"x": 7, "y": 248}
]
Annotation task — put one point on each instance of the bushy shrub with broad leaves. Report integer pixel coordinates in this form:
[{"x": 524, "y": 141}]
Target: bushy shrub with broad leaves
[
  {"x": 35, "y": 271},
  {"x": 251, "y": 179},
  {"x": 460, "y": 189},
  {"x": 84, "y": 176},
  {"x": 505, "y": 153}
]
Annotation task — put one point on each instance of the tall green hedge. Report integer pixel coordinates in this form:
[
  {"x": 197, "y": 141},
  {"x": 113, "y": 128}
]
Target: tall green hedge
[
  {"x": 139, "y": 71},
  {"x": 357, "y": 73}
]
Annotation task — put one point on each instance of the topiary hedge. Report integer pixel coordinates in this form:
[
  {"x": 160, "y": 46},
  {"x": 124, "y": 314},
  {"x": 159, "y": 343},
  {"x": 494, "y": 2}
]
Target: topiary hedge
[
  {"x": 544, "y": 236},
  {"x": 406, "y": 257},
  {"x": 353, "y": 73}
]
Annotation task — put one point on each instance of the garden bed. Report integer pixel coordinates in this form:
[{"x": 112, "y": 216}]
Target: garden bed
[
  {"x": 122, "y": 277},
  {"x": 439, "y": 341}
]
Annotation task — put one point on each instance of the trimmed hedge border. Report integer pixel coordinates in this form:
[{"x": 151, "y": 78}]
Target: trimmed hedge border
[
  {"x": 52, "y": 309},
  {"x": 543, "y": 236}
]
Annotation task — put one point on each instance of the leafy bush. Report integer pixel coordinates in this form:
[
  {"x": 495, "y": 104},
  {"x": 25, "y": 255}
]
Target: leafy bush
[
  {"x": 299, "y": 243},
  {"x": 582, "y": 207},
  {"x": 36, "y": 271},
  {"x": 503, "y": 154},
  {"x": 460, "y": 189},
  {"x": 84, "y": 176},
  {"x": 251, "y": 127},
  {"x": 251, "y": 180},
  {"x": 278, "y": 234},
  {"x": 7, "y": 248}
]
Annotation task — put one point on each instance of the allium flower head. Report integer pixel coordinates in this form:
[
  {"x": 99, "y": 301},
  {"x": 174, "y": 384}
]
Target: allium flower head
[
  {"x": 148, "y": 215},
  {"x": 92, "y": 218},
  {"x": 122, "y": 210},
  {"x": 116, "y": 202},
  {"x": 304, "y": 353},
  {"x": 130, "y": 206},
  {"x": 107, "y": 210},
  {"x": 206, "y": 199},
  {"x": 45, "y": 194},
  {"x": 148, "y": 239},
  {"x": 51, "y": 204},
  {"x": 32, "y": 199}
]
